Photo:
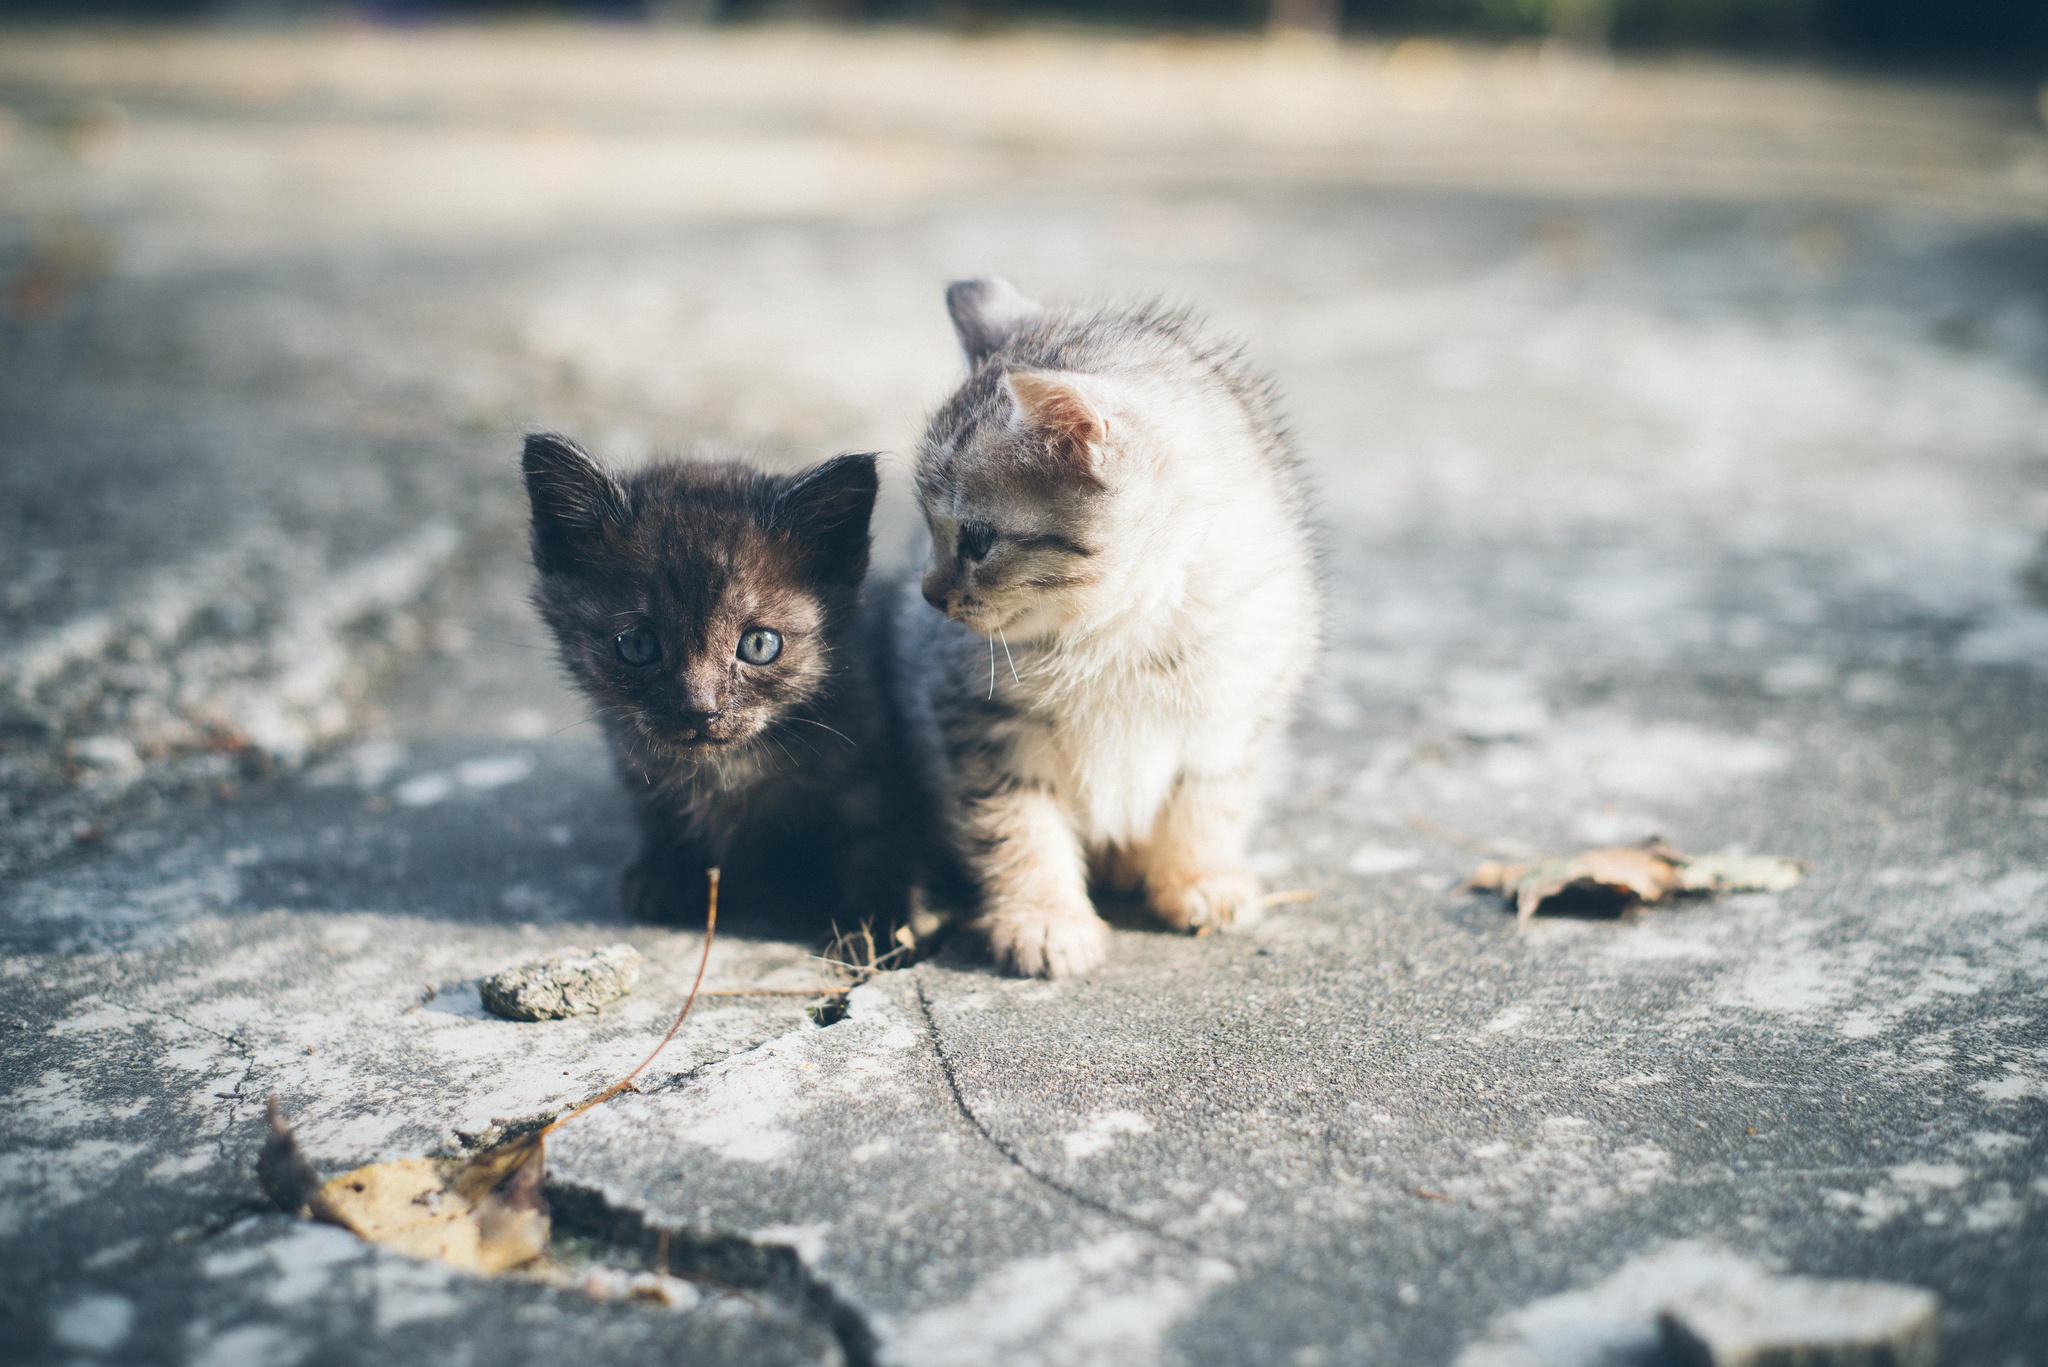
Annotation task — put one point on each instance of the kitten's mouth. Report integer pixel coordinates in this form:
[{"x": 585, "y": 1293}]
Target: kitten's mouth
[
  {"x": 979, "y": 618},
  {"x": 696, "y": 744}
]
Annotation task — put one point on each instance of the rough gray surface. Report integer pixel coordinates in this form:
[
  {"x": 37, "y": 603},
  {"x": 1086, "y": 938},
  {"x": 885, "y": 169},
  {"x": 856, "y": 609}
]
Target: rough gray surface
[
  {"x": 561, "y": 985},
  {"x": 1678, "y": 497},
  {"x": 1803, "y": 1322}
]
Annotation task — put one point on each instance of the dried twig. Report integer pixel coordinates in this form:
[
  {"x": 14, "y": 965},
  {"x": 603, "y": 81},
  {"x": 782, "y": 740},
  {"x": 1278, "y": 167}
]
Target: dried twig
[{"x": 624, "y": 1083}]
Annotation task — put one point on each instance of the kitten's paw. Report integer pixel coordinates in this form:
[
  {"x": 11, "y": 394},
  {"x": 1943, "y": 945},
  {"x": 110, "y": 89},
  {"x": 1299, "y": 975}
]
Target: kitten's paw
[
  {"x": 1215, "y": 900},
  {"x": 1035, "y": 943},
  {"x": 654, "y": 889}
]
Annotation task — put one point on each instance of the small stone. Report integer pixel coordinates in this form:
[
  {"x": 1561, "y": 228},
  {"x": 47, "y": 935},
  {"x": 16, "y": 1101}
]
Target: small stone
[
  {"x": 562, "y": 985},
  {"x": 1803, "y": 1322}
]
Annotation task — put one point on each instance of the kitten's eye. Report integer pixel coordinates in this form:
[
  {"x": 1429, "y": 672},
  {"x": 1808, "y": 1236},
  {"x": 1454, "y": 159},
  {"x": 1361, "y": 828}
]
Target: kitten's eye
[
  {"x": 638, "y": 647},
  {"x": 977, "y": 539},
  {"x": 760, "y": 646}
]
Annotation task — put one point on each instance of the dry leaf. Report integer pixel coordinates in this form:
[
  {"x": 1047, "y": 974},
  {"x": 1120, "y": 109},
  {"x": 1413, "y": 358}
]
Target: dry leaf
[
  {"x": 487, "y": 1213},
  {"x": 484, "y": 1214},
  {"x": 1645, "y": 873}
]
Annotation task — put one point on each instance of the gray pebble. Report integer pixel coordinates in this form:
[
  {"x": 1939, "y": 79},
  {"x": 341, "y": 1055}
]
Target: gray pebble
[
  {"x": 562, "y": 985},
  {"x": 1803, "y": 1322}
]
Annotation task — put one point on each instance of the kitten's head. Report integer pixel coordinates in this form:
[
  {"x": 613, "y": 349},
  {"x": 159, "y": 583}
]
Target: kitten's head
[
  {"x": 697, "y": 603},
  {"x": 1015, "y": 478}
]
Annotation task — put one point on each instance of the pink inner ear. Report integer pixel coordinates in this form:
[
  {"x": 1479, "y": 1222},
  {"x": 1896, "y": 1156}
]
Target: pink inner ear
[{"x": 1053, "y": 409}]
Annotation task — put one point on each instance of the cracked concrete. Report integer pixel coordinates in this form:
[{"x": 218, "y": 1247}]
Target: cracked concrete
[{"x": 1678, "y": 476}]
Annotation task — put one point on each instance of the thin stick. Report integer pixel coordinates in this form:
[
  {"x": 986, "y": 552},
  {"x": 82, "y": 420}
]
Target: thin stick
[
  {"x": 1274, "y": 899},
  {"x": 774, "y": 992},
  {"x": 703, "y": 960}
]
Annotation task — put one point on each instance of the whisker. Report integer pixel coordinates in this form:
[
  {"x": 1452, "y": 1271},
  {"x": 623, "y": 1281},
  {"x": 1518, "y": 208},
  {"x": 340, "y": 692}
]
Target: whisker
[
  {"x": 821, "y": 726},
  {"x": 991, "y": 668},
  {"x": 1008, "y": 656},
  {"x": 520, "y": 645}
]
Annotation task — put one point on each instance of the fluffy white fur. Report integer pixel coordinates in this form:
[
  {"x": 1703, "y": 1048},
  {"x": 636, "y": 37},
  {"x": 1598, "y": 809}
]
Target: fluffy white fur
[{"x": 1137, "y": 698}]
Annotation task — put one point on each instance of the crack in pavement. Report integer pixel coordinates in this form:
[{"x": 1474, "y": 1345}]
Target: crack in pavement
[
  {"x": 1073, "y": 1194},
  {"x": 236, "y": 1044}
]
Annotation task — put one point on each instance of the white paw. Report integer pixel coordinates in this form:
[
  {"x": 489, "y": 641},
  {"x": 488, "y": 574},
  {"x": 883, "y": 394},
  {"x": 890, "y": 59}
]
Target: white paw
[
  {"x": 1207, "y": 901},
  {"x": 1037, "y": 943}
]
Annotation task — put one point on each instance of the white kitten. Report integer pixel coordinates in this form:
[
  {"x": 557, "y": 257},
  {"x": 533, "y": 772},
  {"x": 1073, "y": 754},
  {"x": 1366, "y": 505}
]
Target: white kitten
[{"x": 1118, "y": 537}]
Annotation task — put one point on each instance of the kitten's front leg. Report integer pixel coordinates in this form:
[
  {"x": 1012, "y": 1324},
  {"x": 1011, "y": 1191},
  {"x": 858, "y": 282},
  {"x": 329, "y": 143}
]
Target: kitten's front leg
[
  {"x": 1035, "y": 909},
  {"x": 665, "y": 883},
  {"x": 1196, "y": 877}
]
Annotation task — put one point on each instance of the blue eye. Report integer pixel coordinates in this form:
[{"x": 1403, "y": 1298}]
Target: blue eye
[
  {"x": 638, "y": 647},
  {"x": 760, "y": 646}
]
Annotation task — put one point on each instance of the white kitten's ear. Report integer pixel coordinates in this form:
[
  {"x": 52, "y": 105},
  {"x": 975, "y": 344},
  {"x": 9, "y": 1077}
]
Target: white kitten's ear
[
  {"x": 574, "y": 501},
  {"x": 987, "y": 313},
  {"x": 1053, "y": 406}
]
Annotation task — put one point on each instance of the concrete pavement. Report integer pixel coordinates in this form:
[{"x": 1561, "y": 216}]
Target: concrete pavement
[{"x": 1656, "y": 501}]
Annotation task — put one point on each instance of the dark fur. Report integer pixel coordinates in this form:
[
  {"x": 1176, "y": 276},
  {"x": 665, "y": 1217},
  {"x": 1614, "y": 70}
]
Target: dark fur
[{"x": 781, "y": 774}]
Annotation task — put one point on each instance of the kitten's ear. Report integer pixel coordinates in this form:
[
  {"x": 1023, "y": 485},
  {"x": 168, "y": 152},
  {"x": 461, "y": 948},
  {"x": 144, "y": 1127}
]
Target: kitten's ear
[
  {"x": 1053, "y": 407},
  {"x": 987, "y": 313},
  {"x": 828, "y": 506},
  {"x": 574, "y": 501}
]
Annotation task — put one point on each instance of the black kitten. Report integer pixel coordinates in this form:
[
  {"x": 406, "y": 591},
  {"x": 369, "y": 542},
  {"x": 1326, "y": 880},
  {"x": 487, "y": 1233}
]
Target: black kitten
[{"x": 711, "y": 612}]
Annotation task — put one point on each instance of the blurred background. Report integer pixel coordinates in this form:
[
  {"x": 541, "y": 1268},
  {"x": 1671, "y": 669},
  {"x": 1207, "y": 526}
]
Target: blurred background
[
  {"x": 1672, "y": 376},
  {"x": 2009, "y": 35},
  {"x": 1646, "y": 320}
]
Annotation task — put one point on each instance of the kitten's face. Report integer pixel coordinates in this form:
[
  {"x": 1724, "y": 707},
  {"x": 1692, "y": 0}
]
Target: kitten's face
[
  {"x": 1011, "y": 552},
  {"x": 697, "y": 604},
  {"x": 1012, "y": 492}
]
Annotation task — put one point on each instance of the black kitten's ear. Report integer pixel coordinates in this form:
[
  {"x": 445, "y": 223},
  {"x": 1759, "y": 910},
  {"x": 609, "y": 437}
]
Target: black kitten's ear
[
  {"x": 828, "y": 507},
  {"x": 987, "y": 313},
  {"x": 574, "y": 501}
]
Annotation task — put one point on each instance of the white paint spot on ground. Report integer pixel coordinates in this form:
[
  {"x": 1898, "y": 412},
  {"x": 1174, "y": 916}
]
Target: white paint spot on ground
[
  {"x": 1997, "y": 1210},
  {"x": 1612, "y": 1321},
  {"x": 424, "y": 791},
  {"x": 482, "y": 775},
  {"x": 1088, "y": 1307},
  {"x": 34, "y": 1183},
  {"x": 305, "y": 1260},
  {"x": 93, "y": 1324},
  {"x": 367, "y": 765},
  {"x": 1103, "y": 1129},
  {"x": 251, "y": 1345},
  {"x": 1944, "y": 1175},
  {"x": 409, "y": 1291},
  {"x": 1371, "y": 860},
  {"x": 1507, "y": 1022},
  {"x": 2016, "y": 1085}
]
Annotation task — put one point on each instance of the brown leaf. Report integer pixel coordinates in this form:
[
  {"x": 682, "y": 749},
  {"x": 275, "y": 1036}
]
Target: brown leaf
[
  {"x": 486, "y": 1214},
  {"x": 1646, "y": 873},
  {"x": 282, "y": 1170}
]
